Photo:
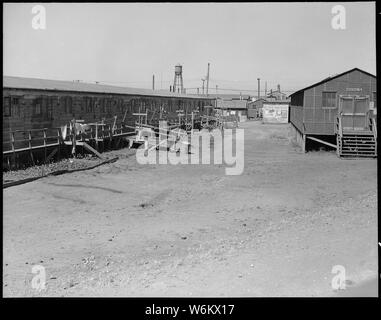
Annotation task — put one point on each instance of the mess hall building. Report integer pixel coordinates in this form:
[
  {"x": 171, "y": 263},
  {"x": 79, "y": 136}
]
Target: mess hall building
[{"x": 338, "y": 111}]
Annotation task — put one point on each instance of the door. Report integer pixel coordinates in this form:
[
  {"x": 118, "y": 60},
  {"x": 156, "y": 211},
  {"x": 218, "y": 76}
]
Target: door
[{"x": 354, "y": 112}]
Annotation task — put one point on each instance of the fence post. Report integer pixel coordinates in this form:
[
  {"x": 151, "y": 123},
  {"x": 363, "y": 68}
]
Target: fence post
[
  {"x": 59, "y": 137},
  {"x": 96, "y": 135},
  {"x": 74, "y": 137},
  {"x": 30, "y": 146},
  {"x": 44, "y": 130},
  {"x": 13, "y": 148}
]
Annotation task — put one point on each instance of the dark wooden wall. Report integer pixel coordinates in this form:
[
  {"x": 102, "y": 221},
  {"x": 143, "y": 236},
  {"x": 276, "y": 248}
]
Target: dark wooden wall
[{"x": 35, "y": 109}]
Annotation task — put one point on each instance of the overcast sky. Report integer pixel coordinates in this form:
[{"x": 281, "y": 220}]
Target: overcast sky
[{"x": 292, "y": 44}]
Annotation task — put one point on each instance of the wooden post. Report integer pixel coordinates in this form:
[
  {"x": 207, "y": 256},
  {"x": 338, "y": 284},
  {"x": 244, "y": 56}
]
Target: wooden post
[
  {"x": 124, "y": 117},
  {"x": 114, "y": 124},
  {"x": 59, "y": 136},
  {"x": 303, "y": 143},
  {"x": 109, "y": 134},
  {"x": 44, "y": 130},
  {"x": 96, "y": 136},
  {"x": 13, "y": 148},
  {"x": 30, "y": 146},
  {"x": 74, "y": 138}
]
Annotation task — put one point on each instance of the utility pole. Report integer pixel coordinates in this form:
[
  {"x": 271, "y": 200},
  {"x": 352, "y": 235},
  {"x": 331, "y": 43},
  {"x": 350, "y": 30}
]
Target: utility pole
[
  {"x": 153, "y": 82},
  {"x": 203, "y": 91},
  {"x": 207, "y": 81},
  {"x": 259, "y": 88},
  {"x": 216, "y": 95},
  {"x": 265, "y": 88}
]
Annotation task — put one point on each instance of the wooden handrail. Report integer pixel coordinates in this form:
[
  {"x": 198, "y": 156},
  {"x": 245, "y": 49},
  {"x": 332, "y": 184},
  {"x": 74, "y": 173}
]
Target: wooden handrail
[{"x": 374, "y": 127}]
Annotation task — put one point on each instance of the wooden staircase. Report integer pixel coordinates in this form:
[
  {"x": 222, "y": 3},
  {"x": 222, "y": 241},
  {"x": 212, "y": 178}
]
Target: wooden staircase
[{"x": 357, "y": 144}]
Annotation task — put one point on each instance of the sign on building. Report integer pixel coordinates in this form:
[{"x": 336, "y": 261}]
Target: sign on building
[{"x": 275, "y": 113}]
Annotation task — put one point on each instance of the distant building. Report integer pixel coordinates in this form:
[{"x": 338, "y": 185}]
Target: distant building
[
  {"x": 273, "y": 108},
  {"x": 232, "y": 96},
  {"x": 275, "y": 111},
  {"x": 276, "y": 95},
  {"x": 236, "y": 108},
  {"x": 254, "y": 108}
]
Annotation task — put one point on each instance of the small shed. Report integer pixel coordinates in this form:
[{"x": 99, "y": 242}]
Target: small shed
[
  {"x": 275, "y": 112},
  {"x": 236, "y": 108},
  {"x": 254, "y": 108}
]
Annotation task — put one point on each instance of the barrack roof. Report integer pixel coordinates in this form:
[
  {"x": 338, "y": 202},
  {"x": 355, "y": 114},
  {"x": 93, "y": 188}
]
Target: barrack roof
[
  {"x": 331, "y": 78},
  {"x": 75, "y": 86}
]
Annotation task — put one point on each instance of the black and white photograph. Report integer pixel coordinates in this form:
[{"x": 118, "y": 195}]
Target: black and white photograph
[{"x": 190, "y": 150}]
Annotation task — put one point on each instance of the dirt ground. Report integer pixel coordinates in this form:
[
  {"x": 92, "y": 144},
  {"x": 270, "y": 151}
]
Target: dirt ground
[{"x": 125, "y": 229}]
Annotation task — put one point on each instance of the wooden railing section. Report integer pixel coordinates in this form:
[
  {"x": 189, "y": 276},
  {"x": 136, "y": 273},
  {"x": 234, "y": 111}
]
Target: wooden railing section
[{"x": 36, "y": 139}]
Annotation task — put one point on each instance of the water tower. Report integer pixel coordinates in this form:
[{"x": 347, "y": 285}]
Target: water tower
[{"x": 178, "y": 80}]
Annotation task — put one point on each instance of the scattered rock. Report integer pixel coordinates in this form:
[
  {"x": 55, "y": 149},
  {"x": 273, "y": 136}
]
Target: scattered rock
[
  {"x": 349, "y": 282},
  {"x": 145, "y": 205}
]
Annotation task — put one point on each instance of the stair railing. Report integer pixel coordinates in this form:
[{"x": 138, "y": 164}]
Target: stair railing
[
  {"x": 339, "y": 128},
  {"x": 374, "y": 127}
]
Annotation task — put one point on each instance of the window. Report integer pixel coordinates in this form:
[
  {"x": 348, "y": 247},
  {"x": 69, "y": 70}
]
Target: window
[
  {"x": 89, "y": 104},
  {"x": 114, "y": 104},
  {"x": 102, "y": 105},
  {"x": 108, "y": 106},
  {"x": 65, "y": 104},
  {"x": 7, "y": 107},
  {"x": 69, "y": 105},
  {"x": 329, "y": 100},
  {"x": 62, "y": 104},
  {"x": 83, "y": 104},
  {"x": 49, "y": 108},
  {"x": 38, "y": 106},
  {"x": 15, "y": 106}
]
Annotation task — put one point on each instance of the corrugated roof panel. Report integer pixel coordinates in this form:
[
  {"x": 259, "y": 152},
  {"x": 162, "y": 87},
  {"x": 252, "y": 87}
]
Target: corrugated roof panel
[{"x": 59, "y": 85}]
